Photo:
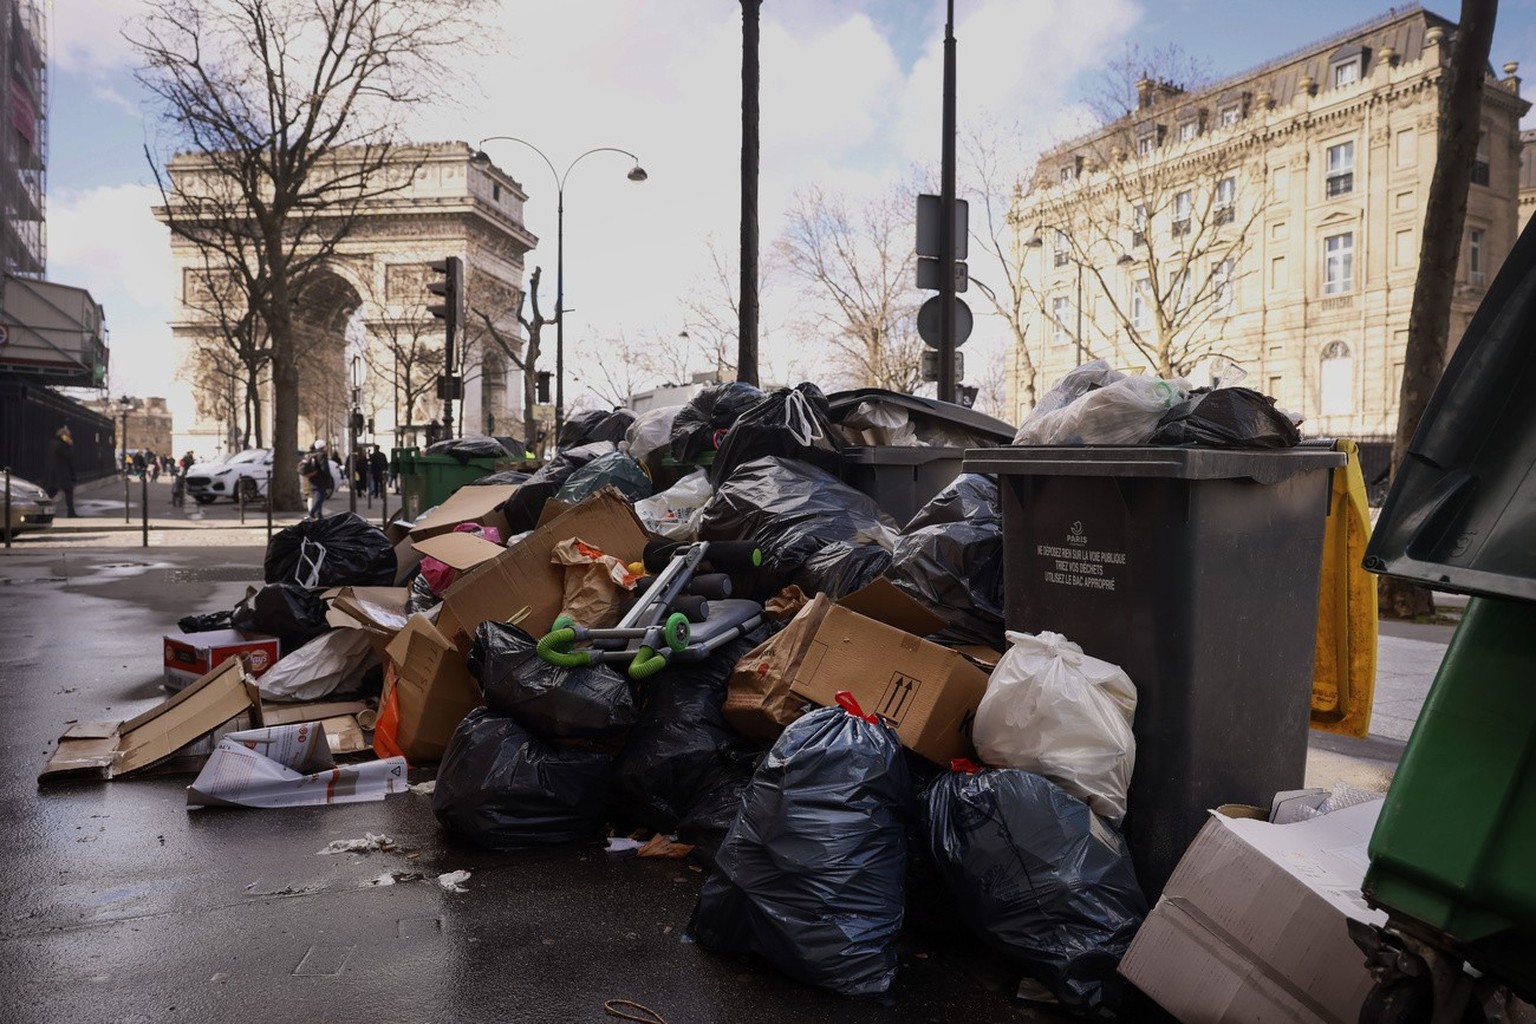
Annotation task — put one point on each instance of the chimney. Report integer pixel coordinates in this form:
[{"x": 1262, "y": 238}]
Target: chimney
[{"x": 1144, "y": 92}]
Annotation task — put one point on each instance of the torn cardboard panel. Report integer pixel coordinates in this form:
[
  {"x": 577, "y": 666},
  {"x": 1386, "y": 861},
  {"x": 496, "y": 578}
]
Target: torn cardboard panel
[
  {"x": 470, "y": 504},
  {"x": 459, "y": 551},
  {"x": 522, "y": 575},
  {"x": 114, "y": 749},
  {"x": 288, "y": 766},
  {"x": 1252, "y": 924},
  {"x": 432, "y": 686},
  {"x": 379, "y": 610}
]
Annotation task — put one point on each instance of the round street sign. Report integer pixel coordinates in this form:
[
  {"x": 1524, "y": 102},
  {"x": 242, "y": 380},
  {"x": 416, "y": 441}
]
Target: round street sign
[{"x": 928, "y": 321}]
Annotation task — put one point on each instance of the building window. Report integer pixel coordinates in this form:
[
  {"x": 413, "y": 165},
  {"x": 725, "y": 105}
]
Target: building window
[
  {"x": 1140, "y": 307},
  {"x": 1475, "y": 256},
  {"x": 1230, "y": 115},
  {"x": 1336, "y": 390},
  {"x": 1188, "y": 131},
  {"x": 495, "y": 192},
  {"x": 1068, "y": 173},
  {"x": 1341, "y": 169},
  {"x": 1226, "y": 200},
  {"x": 1146, "y": 145},
  {"x": 1406, "y": 148},
  {"x": 1139, "y": 224},
  {"x": 1183, "y": 210},
  {"x": 1480, "y": 165},
  {"x": 1347, "y": 73},
  {"x": 1223, "y": 294},
  {"x": 1339, "y": 263},
  {"x": 1060, "y": 307},
  {"x": 1063, "y": 251},
  {"x": 1278, "y": 280}
]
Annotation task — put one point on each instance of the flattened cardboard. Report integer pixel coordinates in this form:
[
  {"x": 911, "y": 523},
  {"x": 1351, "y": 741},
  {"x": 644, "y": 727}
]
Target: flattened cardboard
[
  {"x": 189, "y": 656},
  {"x": 459, "y": 551},
  {"x": 434, "y": 686},
  {"x": 339, "y": 719},
  {"x": 927, "y": 692},
  {"x": 1252, "y": 924},
  {"x": 114, "y": 749},
  {"x": 522, "y": 575},
  {"x": 469, "y": 504}
]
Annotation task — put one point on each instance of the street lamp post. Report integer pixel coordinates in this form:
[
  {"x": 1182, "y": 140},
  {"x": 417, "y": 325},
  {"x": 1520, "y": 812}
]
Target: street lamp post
[
  {"x": 636, "y": 173},
  {"x": 357, "y": 414},
  {"x": 126, "y": 404}
]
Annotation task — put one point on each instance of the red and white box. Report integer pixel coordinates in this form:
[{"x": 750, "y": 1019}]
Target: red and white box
[{"x": 189, "y": 656}]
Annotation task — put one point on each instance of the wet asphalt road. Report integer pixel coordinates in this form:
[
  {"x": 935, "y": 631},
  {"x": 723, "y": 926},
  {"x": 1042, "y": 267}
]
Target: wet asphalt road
[{"x": 119, "y": 904}]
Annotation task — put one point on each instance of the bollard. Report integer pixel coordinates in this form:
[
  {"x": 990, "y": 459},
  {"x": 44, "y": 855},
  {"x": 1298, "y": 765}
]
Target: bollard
[
  {"x": 127, "y": 501},
  {"x": 7, "y": 508},
  {"x": 269, "y": 512},
  {"x": 240, "y": 497},
  {"x": 144, "y": 506},
  {"x": 383, "y": 507}
]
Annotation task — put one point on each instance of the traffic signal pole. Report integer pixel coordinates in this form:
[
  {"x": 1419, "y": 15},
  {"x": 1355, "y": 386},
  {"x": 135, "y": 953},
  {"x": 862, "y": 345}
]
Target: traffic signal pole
[
  {"x": 451, "y": 288},
  {"x": 947, "y": 341}
]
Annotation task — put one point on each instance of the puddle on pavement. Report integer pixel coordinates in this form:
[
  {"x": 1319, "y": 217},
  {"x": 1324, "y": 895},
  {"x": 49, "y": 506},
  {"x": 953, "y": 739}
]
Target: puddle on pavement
[{"x": 216, "y": 574}]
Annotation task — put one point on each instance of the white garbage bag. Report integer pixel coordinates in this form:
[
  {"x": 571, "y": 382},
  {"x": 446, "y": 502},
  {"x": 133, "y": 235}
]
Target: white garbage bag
[
  {"x": 331, "y": 664},
  {"x": 676, "y": 512},
  {"x": 1053, "y": 710}
]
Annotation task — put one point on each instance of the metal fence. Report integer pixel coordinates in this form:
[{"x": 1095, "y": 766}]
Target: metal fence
[{"x": 31, "y": 413}]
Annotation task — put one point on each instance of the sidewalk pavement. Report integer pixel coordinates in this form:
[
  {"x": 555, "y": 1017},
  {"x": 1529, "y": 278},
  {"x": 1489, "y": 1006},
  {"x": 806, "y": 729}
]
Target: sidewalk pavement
[{"x": 1408, "y": 654}]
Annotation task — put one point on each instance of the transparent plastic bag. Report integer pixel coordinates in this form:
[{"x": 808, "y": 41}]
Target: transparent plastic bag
[
  {"x": 676, "y": 512},
  {"x": 1053, "y": 710},
  {"x": 1124, "y": 411}
]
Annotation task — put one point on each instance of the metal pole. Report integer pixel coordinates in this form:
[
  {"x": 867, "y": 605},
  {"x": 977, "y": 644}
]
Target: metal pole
[
  {"x": 144, "y": 506},
  {"x": 269, "y": 510},
  {"x": 240, "y": 497},
  {"x": 947, "y": 220},
  {"x": 746, "y": 343},
  {"x": 560, "y": 307},
  {"x": 352, "y": 468},
  {"x": 7, "y": 508},
  {"x": 127, "y": 499}
]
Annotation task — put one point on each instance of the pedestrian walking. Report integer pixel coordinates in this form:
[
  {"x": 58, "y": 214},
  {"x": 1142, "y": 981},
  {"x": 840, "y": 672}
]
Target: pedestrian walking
[
  {"x": 378, "y": 470},
  {"x": 61, "y": 468},
  {"x": 322, "y": 481}
]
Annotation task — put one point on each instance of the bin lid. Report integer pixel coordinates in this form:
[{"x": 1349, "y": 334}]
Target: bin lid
[
  {"x": 1267, "y": 466},
  {"x": 1462, "y": 508},
  {"x": 842, "y": 403},
  {"x": 900, "y": 454}
]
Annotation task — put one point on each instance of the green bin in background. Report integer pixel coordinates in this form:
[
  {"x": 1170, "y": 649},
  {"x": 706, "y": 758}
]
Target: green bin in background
[{"x": 427, "y": 480}]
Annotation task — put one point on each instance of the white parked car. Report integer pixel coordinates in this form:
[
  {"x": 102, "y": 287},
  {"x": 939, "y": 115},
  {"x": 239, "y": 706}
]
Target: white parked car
[{"x": 244, "y": 473}]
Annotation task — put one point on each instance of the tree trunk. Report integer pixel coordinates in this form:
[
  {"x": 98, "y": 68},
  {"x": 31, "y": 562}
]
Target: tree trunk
[{"x": 1445, "y": 211}]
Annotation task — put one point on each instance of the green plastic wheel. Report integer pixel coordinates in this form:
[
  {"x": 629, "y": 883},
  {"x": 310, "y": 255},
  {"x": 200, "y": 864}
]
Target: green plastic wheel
[{"x": 676, "y": 631}]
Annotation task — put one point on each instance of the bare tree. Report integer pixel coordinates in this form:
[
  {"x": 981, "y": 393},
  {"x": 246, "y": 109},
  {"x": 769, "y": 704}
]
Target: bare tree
[
  {"x": 1445, "y": 212},
  {"x": 489, "y": 311},
  {"x": 1153, "y": 197},
  {"x": 232, "y": 344},
  {"x": 858, "y": 271},
  {"x": 290, "y": 110},
  {"x": 714, "y": 315}
]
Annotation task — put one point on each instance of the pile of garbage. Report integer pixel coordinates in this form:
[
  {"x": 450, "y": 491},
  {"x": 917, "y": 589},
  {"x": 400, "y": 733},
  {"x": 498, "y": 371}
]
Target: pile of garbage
[{"x": 690, "y": 621}]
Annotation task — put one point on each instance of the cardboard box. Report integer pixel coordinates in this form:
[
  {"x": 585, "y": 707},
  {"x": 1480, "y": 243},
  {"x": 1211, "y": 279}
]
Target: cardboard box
[
  {"x": 1252, "y": 925},
  {"x": 189, "y": 656},
  {"x": 113, "y": 749},
  {"x": 432, "y": 684},
  {"x": 469, "y": 504},
  {"x": 870, "y": 644},
  {"x": 523, "y": 577}
]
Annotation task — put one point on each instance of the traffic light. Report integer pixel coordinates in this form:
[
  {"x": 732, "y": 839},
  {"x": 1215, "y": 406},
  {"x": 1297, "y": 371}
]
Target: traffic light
[
  {"x": 451, "y": 288},
  {"x": 542, "y": 389}
]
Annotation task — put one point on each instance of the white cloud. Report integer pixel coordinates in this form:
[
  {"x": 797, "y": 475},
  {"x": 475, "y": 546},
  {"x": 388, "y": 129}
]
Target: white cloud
[
  {"x": 87, "y": 35},
  {"x": 106, "y": 241}
]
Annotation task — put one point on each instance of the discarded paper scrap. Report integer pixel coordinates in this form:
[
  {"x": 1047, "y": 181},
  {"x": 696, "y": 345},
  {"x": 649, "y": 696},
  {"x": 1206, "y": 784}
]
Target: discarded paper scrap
[{"x": 289, "y": 766}]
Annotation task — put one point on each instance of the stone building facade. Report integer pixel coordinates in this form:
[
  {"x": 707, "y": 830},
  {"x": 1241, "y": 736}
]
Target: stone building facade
[
  {"x": 362, "y": 318},
  {"x": 1272, "y": 220}
]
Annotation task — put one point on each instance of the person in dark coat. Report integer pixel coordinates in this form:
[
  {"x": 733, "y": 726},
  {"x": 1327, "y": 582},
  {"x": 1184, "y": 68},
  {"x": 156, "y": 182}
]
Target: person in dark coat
[
  {"x": 378, "y": 465},
  {"x": 61, "y": 470}
]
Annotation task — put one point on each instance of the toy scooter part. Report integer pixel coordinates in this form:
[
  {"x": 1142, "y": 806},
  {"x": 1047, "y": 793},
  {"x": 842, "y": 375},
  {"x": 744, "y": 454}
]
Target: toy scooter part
[
  {"x": 647, "y": 663},
  {"x": 676, "y": 631},
  {"x": 555, "y": 648}
]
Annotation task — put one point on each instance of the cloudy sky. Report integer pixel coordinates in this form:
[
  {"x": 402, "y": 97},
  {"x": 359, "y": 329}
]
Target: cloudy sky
[{"x": 850, "y": 102}]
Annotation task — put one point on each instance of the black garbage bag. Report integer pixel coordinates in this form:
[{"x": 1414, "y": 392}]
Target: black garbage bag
[
  {"x": 1227, "y": 418},
  {"x": 588, "y": 703},
  {"x": 204, "y": 623},
  {"x": 700, "y": 425},
  {"x": 502, "y": 788},
  {"x": 421, "y": 598},
  {"x": 293, "y": 614},
  {"x": 840, "y": 568},
  {"x": 790, "y": 510},
  {"x": 614, "y": 469},
  {"x": 595, "y": 425},
  {"x": 477, "y": 446},
  {"x": 506, "y": 476},
  {"x": 811, "y": 872},
  {"x": 680, "y": 750},
  {"x": 792, "y": 422},
  {"x": 950, "y": 557},
  {"x": 523, "y": 508},
  {"x": 710, "y": 818},
  {"x": 337, "y": 551},
  {"x": 1034, "y": 872}
]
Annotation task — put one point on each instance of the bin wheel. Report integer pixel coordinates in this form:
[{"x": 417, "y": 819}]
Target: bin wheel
[
  {"x": 1400, "y": 1001},
  {"x": 676, "y": 632}
]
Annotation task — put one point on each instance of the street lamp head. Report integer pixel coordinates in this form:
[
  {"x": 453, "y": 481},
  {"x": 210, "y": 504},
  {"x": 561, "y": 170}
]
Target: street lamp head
[
  {"x": 637, "y": 173},
  {"x": 125, "y": 402},
  {"x": 1126, "y": 259},
  {"x": 480, "y": 159},
  {"x": 1034, "y": 241}
]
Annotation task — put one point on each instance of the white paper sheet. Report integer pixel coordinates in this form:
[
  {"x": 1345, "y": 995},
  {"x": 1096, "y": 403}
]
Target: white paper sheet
[{"x": 289, "y": 766}]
